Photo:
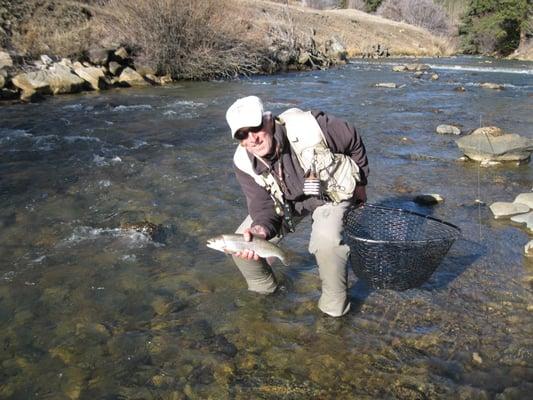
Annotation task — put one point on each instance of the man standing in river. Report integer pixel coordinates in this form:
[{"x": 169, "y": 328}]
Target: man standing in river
[{"x": 290, "y": 166}]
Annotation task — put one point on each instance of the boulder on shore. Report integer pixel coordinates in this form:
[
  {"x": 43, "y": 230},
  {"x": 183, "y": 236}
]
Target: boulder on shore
[
  {"x": 94, "y": 76},
  {"x": 58, "y": 79},
  {"x": 132, "y": 78}
]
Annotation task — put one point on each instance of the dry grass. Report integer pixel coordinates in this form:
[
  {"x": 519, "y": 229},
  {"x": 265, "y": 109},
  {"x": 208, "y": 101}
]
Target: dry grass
[{"x": 54, "y": 27}]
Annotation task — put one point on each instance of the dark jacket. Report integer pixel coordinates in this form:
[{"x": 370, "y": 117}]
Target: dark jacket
[{"x": 341, "y": 138}]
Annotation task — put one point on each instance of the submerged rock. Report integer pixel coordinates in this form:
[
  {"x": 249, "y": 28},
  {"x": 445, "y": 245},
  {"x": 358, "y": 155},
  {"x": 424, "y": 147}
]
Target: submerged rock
[{"x": 156, "y": 232}]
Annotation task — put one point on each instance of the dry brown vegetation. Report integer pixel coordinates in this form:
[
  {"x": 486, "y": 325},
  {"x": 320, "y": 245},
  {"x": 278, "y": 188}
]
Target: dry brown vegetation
[{"x": 207, "y": 38}]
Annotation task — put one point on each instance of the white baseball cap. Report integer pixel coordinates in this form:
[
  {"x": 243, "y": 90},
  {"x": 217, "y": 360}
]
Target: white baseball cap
[{"x": 244, "y": 113}]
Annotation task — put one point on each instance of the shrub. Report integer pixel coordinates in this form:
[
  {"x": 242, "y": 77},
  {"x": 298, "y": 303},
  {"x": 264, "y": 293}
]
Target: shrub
[
  {"x": 423, "y": 13},
  {"x": 56, "y": 27},
  {"x": 372, "y": 5},
  {"x": 186, "y": 39}
]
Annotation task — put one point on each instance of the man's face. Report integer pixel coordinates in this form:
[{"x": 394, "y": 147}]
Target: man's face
[{"x": 259, "y": 140}]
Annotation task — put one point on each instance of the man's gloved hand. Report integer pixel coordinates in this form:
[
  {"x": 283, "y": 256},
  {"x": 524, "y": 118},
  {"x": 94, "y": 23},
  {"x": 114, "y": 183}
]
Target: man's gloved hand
[{"x": 256, "y": 230}]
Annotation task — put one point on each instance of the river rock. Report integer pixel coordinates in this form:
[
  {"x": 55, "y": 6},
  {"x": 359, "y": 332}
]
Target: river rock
[
  {"x": 144, "y": 69},
  {"x": 435, "y": 77},
  {"x": 460, "y": 89},
  {"x": 2, "y": 81},
  {"x": 417, "y": 67},
  {"x": 114, "y": 67},
  {"x": 525, "y": 198},
  {"x": 399, "y": 68},
  {"x": 46, "y": 60},
  {"x": 493, "y": 86},
  {"x": 504, "y": 209},
  {"x": 94, "y": 76},
  {"x": 389, "y": 85},
  {"x": 5, "y": 60},
  {"x": 428, "y": 199},
  {"x": 57, "y": 79},
  {"x": 165, "y": 79},
  {"x": 335, "y": 49},
  {"x": 528, "y": 249},
  {"x": 526, "y": 219},
  {"x": 98, "y": 56},
  {"x": 121, "y": 53},
  {"x": 448, "y": 130},
  {"x": 488, "y": 143},
  {"x": 132, "y": 78},
  {"x": 493, "y": 131}
]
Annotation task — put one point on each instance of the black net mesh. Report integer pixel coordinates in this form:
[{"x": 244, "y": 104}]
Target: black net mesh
[{"x": 394, "y": 248}]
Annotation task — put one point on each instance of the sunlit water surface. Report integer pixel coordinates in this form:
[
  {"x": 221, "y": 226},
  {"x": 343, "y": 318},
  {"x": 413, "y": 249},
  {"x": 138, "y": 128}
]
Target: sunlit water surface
[{"x": 92, "y": 309}]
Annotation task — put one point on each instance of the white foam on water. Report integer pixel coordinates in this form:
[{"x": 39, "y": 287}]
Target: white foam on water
[
  {"x": 73, "y": 139},
  {"x": 468, "y": 68},
  {"x": 184, "y": 109},
  {"x": 102, "y": 161},
  {"x": 128, "y": 237},
  {"x": 135, "y": 107},
  {"x": 76, "y": 107},
  {"x": 137, "y": 144},
  {"x": 104, "y": 183},
  {"x": 10, "y": 135}
]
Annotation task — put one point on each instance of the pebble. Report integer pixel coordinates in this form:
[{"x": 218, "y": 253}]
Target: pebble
[{"x": 477, "y": 358}]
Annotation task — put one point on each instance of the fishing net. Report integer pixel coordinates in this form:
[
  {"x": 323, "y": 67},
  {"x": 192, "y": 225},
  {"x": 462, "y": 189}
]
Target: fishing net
[{"x": 394, "y": 248}]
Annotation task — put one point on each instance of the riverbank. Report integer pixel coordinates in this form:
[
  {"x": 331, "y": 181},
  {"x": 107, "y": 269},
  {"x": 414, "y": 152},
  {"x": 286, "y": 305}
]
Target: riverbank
[{"x": 119, "y": 44}]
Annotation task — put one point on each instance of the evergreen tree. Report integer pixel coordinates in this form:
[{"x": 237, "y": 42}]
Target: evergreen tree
[
  {"x": 495, "y": 26},
  {"x": 372, "y": 5}
]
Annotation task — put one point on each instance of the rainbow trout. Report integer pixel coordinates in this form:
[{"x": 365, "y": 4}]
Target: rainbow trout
[{"x": 235, "y": 243}]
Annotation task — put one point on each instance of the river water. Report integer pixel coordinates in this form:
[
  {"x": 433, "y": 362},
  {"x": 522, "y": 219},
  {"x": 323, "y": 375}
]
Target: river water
[{"x": 93, "y": 309}]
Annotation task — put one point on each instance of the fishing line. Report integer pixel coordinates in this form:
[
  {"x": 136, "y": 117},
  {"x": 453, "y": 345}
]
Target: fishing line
[{"x": 479, "y": 185}]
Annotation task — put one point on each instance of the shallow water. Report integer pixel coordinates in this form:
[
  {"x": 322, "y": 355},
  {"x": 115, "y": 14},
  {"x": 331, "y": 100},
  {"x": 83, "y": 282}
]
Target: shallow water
[{"x": 90, "y": 308}]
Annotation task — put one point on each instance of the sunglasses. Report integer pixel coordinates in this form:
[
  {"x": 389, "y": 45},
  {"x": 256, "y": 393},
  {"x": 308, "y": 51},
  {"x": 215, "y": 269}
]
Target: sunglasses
[{"x": 242, "y": 134}]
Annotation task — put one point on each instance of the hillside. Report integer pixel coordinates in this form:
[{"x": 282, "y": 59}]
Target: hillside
[{"x": 357, "y": 30}]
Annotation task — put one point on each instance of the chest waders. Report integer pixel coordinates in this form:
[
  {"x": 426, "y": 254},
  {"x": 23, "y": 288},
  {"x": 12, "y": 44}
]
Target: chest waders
[{"x": 338, "y": 175}]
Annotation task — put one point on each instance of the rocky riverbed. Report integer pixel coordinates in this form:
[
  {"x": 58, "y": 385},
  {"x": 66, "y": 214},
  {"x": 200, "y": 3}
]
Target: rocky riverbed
[{"x": 94, "y": 305}]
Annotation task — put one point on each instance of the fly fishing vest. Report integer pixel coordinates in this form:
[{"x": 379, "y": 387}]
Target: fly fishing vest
[{"x": 338, "y": 173}]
